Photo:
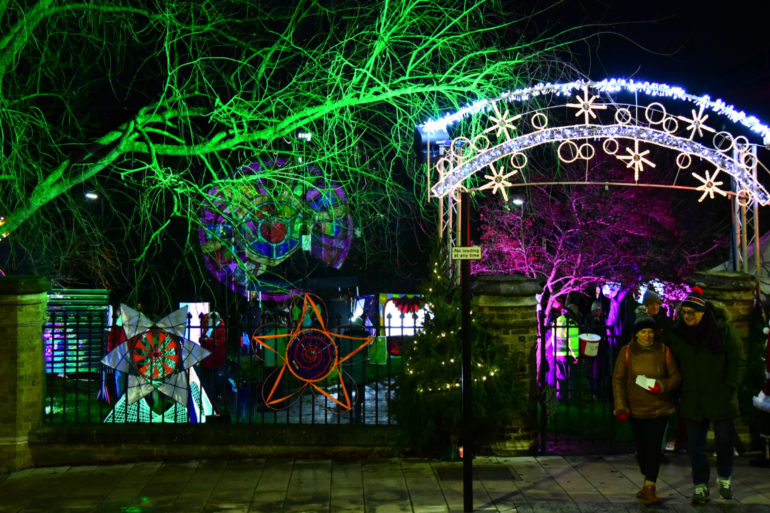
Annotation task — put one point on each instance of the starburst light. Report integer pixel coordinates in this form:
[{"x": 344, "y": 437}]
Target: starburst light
[
  {"x": 697, "y": 123},
  {"x": 636, "y": 159},
  {"x": 498, "y": 180},
  {"x": 586, "y": 106},
  {"x": 502, "y": 122},
  {"x": 709, "y": 185}
]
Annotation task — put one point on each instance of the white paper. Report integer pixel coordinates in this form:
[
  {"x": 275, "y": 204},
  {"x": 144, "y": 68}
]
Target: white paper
[{"x": 645, "y": 382}]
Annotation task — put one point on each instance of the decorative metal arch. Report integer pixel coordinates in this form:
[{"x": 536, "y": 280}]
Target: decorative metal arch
[{"x": 577, "y": 115}]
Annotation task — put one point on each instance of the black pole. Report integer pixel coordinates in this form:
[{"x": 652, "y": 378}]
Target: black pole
[{"x": 465, "y": 277}]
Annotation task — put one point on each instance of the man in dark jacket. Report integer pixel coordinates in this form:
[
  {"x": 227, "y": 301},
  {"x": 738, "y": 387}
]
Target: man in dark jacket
[
  {"x": 710, "y": 355},
  {"x": 652, "y": 303}
]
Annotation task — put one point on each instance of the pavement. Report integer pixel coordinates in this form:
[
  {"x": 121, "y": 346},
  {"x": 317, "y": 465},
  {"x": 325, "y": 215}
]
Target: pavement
[{"x": 552, "y": 484}]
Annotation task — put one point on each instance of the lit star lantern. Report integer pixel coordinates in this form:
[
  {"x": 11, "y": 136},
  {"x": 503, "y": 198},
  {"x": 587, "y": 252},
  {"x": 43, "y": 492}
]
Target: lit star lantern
[
  {"x": 311, "y": 355},
  {"x": 156, "y": 356}
]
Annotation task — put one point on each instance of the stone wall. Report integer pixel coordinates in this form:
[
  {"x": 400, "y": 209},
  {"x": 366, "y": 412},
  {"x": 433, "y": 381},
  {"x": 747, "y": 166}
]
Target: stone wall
[
  {"x": 22, "y": 313},
  {"x": 510, "y": 305},
  {"x": 734, "y": 289}
]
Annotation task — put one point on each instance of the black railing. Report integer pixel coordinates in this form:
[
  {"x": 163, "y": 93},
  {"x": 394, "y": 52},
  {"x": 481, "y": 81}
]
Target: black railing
[
  {"x": 251, "y": 384},
  {"x": 576, "y": 402}
]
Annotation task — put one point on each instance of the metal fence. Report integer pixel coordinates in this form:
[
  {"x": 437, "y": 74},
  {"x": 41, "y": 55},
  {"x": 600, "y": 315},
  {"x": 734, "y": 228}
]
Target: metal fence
[
  {"x": 239, "y": 389},
  {"x": 576, "y": 401}
]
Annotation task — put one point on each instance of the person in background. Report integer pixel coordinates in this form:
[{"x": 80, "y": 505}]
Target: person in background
[
  {"x": 652, "y": 302},
  {"x": 710, "y": 353},
  {"x": 567, "y": 350},
  {"x": 597, "y": 368},
  {"x": 645, "y": 376}
]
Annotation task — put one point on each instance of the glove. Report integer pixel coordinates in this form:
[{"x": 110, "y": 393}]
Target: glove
[
  {"x": 622, "y": 416},
  {"x": 654, "y": 389}
]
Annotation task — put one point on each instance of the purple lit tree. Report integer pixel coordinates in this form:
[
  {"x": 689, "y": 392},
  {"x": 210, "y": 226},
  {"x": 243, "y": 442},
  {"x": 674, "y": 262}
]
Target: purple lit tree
[{"x": 574, "y": 237}]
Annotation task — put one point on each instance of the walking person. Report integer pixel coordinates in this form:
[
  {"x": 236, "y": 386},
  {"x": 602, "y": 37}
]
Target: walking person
[
  {"x": 710, "y": 353},
  {"x": 646, "y": 374}
]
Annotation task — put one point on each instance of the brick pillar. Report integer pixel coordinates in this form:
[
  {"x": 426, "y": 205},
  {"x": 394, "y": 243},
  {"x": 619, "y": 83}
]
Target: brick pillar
[
  {"x": 508, "y": 301},
  {"x": 22, "y": 312},
  {"x": 734, "y": 289}
]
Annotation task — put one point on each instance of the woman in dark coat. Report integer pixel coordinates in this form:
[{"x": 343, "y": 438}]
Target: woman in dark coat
[{"x": 711, "y": 358}]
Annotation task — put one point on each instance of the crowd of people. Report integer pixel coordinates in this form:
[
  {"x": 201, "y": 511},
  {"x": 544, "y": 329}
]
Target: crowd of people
[{"x": 674, "y": 376}]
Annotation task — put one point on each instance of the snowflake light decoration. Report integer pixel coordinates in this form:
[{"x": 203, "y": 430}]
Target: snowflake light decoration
[
  {"x": 586, "y": 106},
  {"x": 156, "y": 356},
  {"x": 502, "y": 122},
  {"x": 636, "y": 159},
  {"x": 697, "y": 123},
  {"x": 709, "y": 185},
  {"x": 498, "y": 180}
]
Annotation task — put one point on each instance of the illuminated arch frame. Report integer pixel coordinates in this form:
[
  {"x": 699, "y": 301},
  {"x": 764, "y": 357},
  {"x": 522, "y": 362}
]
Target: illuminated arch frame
[{"x": 733, "y": 155}]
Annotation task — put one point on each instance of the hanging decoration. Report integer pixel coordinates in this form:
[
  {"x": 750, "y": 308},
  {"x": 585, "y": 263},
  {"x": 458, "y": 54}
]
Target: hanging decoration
[
  {"x": 257, "y": 223},
  {"x": 306, "y": 357},
  {"x": 155, "y": 356}
]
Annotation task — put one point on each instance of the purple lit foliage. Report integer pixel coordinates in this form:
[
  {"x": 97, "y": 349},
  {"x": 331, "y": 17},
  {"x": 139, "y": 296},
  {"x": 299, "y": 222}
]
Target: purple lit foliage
[{"x": 578, "y": 236}]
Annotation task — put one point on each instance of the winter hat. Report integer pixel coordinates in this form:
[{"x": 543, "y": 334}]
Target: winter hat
[
  {"x": 596, "y": 306},
  {"x": 643, "y": 321},
  {"x": 695, "y": 300},
  {"x": 650, "y": 297}
]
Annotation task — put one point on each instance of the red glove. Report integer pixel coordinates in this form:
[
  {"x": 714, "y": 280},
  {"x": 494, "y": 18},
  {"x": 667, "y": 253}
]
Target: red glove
[
  {"x": 654, "y": 389},
  {"x": 622, "y": 416}
]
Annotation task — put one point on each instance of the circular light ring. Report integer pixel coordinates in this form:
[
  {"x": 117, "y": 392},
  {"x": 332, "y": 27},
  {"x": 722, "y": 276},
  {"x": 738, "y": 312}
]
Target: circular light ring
[
  {"x": 748, "y": 160},
  {"x": 610, "y": 146},
  {"x": 683, "y": 160},
  {"x": 670, "y": 125},
  {"x": 311, "y": 355},
  {"x": 569, "y": 146},
  {"x": 480, "y": 143},
  {"x": 586, "y": 151},
  {"x": 723, "y": 141},
  {"x": 741, "y": 143},
  {"x": 623, "y": 116},
  {"x": 155, "y": 354},
  {"x": 460, "y": 146},
  {"x": 539, "y": 121},
  {"x": 518, "y": 161},
  {"x": 654, "y": 109},
  {"x": 744, "y": 197}
]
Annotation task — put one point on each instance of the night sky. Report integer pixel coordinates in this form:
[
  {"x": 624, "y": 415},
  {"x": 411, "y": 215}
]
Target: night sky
[{"x": 707, "y": 48}]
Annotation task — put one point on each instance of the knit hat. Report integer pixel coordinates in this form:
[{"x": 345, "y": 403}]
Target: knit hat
[
  {"x": 596, "y": 306},
  {"x": 695, "y": 300},
  {"x": 650, "y": 297},
  {"x": 643, "y": 321}
]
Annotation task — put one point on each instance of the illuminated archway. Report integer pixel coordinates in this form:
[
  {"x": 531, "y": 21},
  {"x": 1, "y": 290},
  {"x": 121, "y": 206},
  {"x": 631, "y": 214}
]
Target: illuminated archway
[{"x": 583, "y": 118}]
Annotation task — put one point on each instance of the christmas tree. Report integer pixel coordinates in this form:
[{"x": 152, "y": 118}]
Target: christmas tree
[{"x": 428, "y": 401}]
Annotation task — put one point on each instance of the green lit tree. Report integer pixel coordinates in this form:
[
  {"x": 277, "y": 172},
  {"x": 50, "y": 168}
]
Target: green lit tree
[
  {"x": 428, "y": 400},
  {"x": 150, "y": 104}
]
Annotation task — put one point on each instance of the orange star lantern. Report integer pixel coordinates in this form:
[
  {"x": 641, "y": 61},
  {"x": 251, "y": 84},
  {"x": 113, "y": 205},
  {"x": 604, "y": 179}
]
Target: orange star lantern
[{"x": 311, "y": 356}]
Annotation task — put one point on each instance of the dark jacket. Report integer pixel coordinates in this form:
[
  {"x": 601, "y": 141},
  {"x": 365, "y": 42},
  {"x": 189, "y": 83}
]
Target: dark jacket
[
  {"x": 710, "y": 374},
  {"x": 653, "y": 363}
]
